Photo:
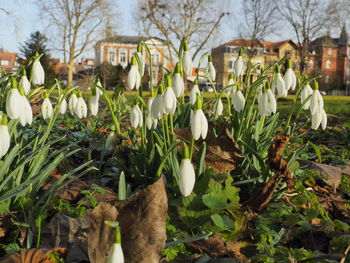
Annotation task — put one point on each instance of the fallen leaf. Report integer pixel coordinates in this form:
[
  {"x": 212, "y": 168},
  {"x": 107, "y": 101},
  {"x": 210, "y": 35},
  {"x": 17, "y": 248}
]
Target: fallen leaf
[{"x": 34, "y": 256}]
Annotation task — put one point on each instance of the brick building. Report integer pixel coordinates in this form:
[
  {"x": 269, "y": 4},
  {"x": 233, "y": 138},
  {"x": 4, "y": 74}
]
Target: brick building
[
  {"x": 329, "y": 57},
  {"x": 264, "y": 53},
  {"x": 118, "y": 50},
  {"x": 9, "y": 62}
]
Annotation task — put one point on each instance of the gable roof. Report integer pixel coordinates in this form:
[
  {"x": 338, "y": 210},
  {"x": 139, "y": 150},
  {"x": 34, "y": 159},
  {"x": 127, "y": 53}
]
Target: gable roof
[
  {"x": 241, "y": 42},
  {"x": 127, "y": 39},
  {"x": 274, "y": 45}
]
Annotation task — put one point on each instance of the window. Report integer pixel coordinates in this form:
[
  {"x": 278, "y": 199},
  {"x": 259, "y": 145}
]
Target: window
[
  {"x": 4, "y": 62},
  {"x": 155, "y": 58},
  {"x": 131, "y": 53},
  {"x": 329, "y": 51},
  {"x": 287, "y": 52},
  {"x": 111, "y": 56},
  {"x": 328, "y": 64},
  {"x": 90, "y": 63},
  {"x": 122, "y": 57},
  {"x": 230, "y": 64}
]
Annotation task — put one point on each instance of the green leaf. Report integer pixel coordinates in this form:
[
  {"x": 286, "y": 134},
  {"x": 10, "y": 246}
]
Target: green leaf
[
  {"x": 317, "y": 150},
  {"x": 189, "y": 239},
  {"x": 122, "y": 187},
  {"x": 221, "y": 221}
]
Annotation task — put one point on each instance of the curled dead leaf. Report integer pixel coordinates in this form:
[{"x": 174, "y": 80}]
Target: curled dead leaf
[{"x": 35, "y": 256}]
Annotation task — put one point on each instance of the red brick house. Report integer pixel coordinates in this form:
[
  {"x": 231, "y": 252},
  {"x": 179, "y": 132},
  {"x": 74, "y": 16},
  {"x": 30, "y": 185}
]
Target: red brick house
[
  {"x": 8, "y": 62},
  {"x": 329, "y": 57}
]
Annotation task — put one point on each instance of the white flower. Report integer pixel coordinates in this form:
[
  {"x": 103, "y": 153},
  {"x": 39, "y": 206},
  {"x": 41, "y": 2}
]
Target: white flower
[
  {"x": 5, "y": 138},
  {"x": 238, "y": 66},
  {"x": 72, "y": 103},
  {"x": 63, "y": 106},
  {"x": 24, "y": 82},
  {"x": 324, "y": 119},
  {"x": 271, "y": 102},
  {"x": 13, "y": 104},
  {"x": 37, "y": 73},
  {"x": 316, "y": 120},
  {"x": 193, "y": 94},
  {"x": 46, "y": 109},
  {"x": 230, "y": 82},
  {"x": 136, "y": 117},
  {"x": 150, "y": 122},
  {"x": 187, "y": 63},
  {"x": 178, "y": 85},
  {"x": 26, "y": 114},
  {"x": 99, "y": 88},
  {"x": 211, "y": 70},
  {"x": 238, "y": 100},
  {"x": 187, "y": 177},
  {"x": 278, "y": 83},
  {"x": 139, "y": 54},
  {"x": 316, "y": 102},
  {"x": 219, "y": 107},
  {"x": 289, "y": 79},
  {"x": 80, "y": 108},
  {"x": 262, "y": 104},
  {"x": 134, "y": 78},
  {"x": 110, "y": 141},
  {"x": 115, "y": 255},
  {"x": 157, "y": 108},
  {"x": 199, "y": 125},
  {"x": 93, "y": 105},
  {"x": 149, "y": 104},
  {"x": 169, "y": 101},
  {"x": 305, "y": 93}
]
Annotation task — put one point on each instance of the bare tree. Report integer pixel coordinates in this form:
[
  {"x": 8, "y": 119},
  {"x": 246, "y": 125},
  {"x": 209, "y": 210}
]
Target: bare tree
[
  {"x": 261, "y": 19},
  {"x": 77, "y": 23},
  {"x": 197, "y": 20},
  {"x": 307, "y": 19},
  {"x": 338, "y": 14}
]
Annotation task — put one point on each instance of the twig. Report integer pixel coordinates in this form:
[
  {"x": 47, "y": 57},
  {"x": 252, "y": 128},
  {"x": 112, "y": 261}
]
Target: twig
[{"x": 346, "y": 252}]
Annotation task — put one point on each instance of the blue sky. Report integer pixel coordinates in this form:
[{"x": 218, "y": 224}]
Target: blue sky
[{"x": 25, "y": 16}]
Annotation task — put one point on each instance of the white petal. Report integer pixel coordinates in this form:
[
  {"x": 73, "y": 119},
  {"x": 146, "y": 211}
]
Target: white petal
[
  {"x": 196, "y": 124},
  {"x": 324, "y": 119},
  {"x": 13, "y": 104},
  {"x": 169, "y": 101},
  {"x": 288, "y": 78},
  {"x": 93, "y": 105},
  {"x": 46, "y": 109},
  {"x": 281, "y": 87},
  {"x": 24, "y": 82},
  {"x": 316, "y": 120},
  {"x": 132, "y": 77},
  {"x": 187, "y": 63},
  {"x": 178, "y": 85},
  {"x": 211, "y": 71},
  {"x": 193, "y": 94},
  {"x": 37, "y": 73},
  {"x": 72, "y": 103},
  {"x": 115, "y": 254},
  {"x": 238, "y": 66},
  {"x": 63, "y": 106},
  {"x": 5, "y": 140},
  {"x": 219, "y": 107},
  {"x": 204, "y": 125},
  {"x": 187, "y": 177}
]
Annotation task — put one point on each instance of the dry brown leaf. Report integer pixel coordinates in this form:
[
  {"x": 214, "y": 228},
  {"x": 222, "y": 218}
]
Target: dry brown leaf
[{"x": 34, "y": 256}]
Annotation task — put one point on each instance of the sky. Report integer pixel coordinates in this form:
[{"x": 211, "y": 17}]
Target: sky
[{"x": 24, "y": 20}]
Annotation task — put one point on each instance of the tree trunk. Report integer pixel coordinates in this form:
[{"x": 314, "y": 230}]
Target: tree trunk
[{"x": 70, "y": 68}]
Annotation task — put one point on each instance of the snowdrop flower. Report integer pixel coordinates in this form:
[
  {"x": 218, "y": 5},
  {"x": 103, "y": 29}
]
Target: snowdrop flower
[
  {"x": 316, "y": 102},
  {"x": 187, "y": 176},
  {"x": 63, "y": 106},
  {"x": 194, "y": 91},
  {"x": 136, "y": 117},
  {"x": 278, "y": 83},
  {"x": 134, "y": 77},
  {"x": 187, "y": 60},
  {"x": 199, "y": 123},
  {"x": 289, "y": 77},
  {"x": 169, "y": 99},
  {"x": 24, "y": 82},
  {"x": 5, "y": 138},
  {"x": 267, "y": 102},
  {"x": 80, "y": 108},
  {"x": 150, "y": 122},
  {"x": 231, "y": 81},
  {"x": 305, "y": 93},
  {"x": 238, "y": 100},
  {"x": 110, "y": 141},
  {"x": 157, "y": 107},
  {"x": 46, "y": 108},
  {"x": 14, "y": 106},
  {"x": 116, "y": 255},
  {"x": 26, "y": 114},
  {"x": 211, "y": 72},
  {"x": 178, "y": 82},
  {"x": 37, "y": 73},
  {"x": 99, "y": 88},
  {"x": 72, "y": 103},
  {"x": 239, "y": 64},
  {"x": 219, "y": 107},
  {"x": 140, "y": 55},
  {"x": 93, "y": 102},
  {"x": 324, "y": 119}
]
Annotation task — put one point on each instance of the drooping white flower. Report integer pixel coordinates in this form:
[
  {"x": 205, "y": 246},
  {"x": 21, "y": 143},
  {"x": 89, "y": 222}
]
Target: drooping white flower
[
  {"x": 278, "y": 83},
  {"x": 24, "y": 83},
  {"x": 211, "y": 72},
  {"x": 13, "y": 103},
  {"x": 324, "y": 119},
  {"x": 93, "y": 105},
  {"x": 140, "y": 55},
  {"x": 238, "y": 100},
  {"x": 219, "y": 107},
  {"x": 305, "y": 93},
  {"x": 238, "y": 66},
  {"x": 316, "y": 102},
  {"x": 231, "y": 81},
  {"x": 187, "y": 63},
  {"x": 199, "y": 123},
  {"x": 134, "y": 78},
  {"x": 63, "y": 106},
  {"x": 80, "y": 107},
  {"x": 262, "y": 104},
  {"x": 136, "y": 117},
  {"x": 150, "y": 122},
  {"x": 110, "y": 141},
  {"x": 5, "y": 138},
  {"x": 73, "y": 99},
  {"x": 157, "y": 108},
  {"x": 116, "y": 255},
  {"x": 271, "y": 102},
  {"x": 289, "y": 77},
  {"x": 26, "y": 115},
  {"x": 316, "y": 120},
  {"x": 149, "y": 103},
  {"x": 194, "y": 91},
  {"x": 46, "y": 108},
  {"x": 178, "y": 82},
  {"x": 37, "y": 73},
  {"x": 187, "y": 176},
  {"x": 99, "y": 88}
]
